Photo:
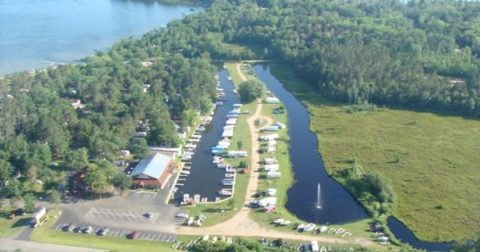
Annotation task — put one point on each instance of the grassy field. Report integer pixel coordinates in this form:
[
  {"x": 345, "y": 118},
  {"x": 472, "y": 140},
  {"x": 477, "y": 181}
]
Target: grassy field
[
  {"x": 431, "y": 158},
  {"x": 45, "y": 234},
  {"x": 9, "y": 227}
]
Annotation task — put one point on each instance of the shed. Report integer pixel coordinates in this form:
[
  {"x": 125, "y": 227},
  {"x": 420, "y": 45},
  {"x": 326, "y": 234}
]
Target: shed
[{"x": 39, "y": 217}]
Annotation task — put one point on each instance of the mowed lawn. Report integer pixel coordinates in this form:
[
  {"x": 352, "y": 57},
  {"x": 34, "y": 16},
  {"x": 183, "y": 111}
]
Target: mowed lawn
[{"x": 432, "y": 159}]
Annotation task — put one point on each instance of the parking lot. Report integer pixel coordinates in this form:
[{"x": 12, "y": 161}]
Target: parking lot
[
  {"x": 125, "y": 214},
  {"x": 123, "y": 233},
  {"x": 122, "y": 215}
]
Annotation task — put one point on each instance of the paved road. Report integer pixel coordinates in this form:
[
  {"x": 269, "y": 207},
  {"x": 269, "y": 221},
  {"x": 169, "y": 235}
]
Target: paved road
[{"x": 11, "y": 245}]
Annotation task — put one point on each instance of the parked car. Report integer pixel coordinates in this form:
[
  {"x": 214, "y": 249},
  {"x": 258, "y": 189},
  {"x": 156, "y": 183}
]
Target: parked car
[
  {"x": 78, "y": 229},
  {"x": 103, "y": 231},
  {"x": 182, "y": 215},
  {"x": 149, "y": 215},
  {"x": 20, "y": 212},
  {"x": 87, "y": 230},
  {"x": 280, "y": 242},
  {"x": 133, "y": 235},
  {"x": 12, "y": 215},
  {"x": 68, "y": 228}
]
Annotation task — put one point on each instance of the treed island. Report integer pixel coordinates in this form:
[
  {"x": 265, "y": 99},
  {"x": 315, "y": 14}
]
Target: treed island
[{"x": 392, "y": 87}]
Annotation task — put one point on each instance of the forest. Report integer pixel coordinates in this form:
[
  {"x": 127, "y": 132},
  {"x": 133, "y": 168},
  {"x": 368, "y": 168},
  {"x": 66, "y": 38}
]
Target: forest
[
  {"x": 76, "y": 116},
  {"x": 419, "y": 54}
]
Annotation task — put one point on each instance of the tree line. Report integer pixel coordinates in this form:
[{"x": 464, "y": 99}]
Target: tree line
[
  {"x": 77, "y": 116},
  {"x": 421, "y": 54}
]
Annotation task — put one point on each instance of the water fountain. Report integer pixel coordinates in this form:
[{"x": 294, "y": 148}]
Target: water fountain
[{"x": 319, "y": 203}]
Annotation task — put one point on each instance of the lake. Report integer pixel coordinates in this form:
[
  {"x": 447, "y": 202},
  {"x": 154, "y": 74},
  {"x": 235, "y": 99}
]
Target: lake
[{"x": 65, "y": 31}]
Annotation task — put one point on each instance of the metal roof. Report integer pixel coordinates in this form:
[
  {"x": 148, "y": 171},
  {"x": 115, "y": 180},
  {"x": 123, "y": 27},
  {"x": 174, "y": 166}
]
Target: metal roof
[{"x": 153, "y": 165}]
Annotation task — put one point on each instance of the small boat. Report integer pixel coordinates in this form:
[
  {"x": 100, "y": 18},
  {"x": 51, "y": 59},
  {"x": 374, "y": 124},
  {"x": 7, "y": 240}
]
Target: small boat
[
  {"x": 229, "y": 240},
  {"x": 229, "y": 78},
  {"x": 340, "y": 230},
  {"x": 323, "y": 229},
  {"x": 323, "y": 249},
  {"x": 229, "y": 175},
  {"x": 229, "y": 169},
  {"x": 386, "y": 243},
  {"x": 346, "y": 234},
  {"x": 225, "y": 192},
  {"x": 219, "y": 103},
  {"x": 332, "y": 230},
  {"x": 300, "y": 227},
  {"x": 224, "y": 66},
  {"x": 278, "y": 221},
  {"x": 223, "y": 238},
  {"x": 214, "y": 239},
  {"x": 378, "y": 234},
  {"x": 227, "y": 182},
  {"x": 309, "y": 227},
  {"x": 185, "y": 172},
  {"x": 285, "y": 223},
  {"x": 205, "y": 238},
  {"x": 221, "y": 165},
  {"x": 235, "y": 91}
]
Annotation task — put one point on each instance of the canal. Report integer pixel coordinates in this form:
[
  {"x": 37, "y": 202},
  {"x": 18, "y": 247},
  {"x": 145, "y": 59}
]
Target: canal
[
  {"x": 337, "y": 205},
  {"x": 205, "y": 177}
]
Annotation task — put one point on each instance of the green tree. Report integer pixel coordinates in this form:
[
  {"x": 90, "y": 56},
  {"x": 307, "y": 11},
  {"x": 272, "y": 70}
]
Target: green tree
[
  {"x": 78, "y": 159},
  {"x": 96, "y": 179},
  {"x": 139, "y": 147},
  {"x": 121, "y": 181},
  {"x": 240, "y": 144},
  {"x": 14, "y": 189},
  {"x": 205, "y": 106},
  {"x": 251, "y": 90},
  {"x": 54, "y": 197},
  {"x": 6, "y": 170},
  {"x": 28, "y": 199}
]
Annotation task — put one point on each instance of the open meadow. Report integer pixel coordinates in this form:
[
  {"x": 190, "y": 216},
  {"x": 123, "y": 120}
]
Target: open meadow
[{"x": 432, "y": 158}]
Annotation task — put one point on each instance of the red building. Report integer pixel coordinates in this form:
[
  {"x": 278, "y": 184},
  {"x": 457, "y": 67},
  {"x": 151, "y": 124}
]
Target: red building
[{"x": 153, "y": 171}]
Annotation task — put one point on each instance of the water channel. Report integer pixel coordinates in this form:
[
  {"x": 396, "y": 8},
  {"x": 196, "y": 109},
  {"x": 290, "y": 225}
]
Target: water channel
[
  {"x": 205, "y": 177},
  {"x": 33, "y": 33},
  {"x": 337, "y": 205}
]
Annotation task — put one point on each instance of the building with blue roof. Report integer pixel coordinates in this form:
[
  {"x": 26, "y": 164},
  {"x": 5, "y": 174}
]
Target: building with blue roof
[{"x": 153, "y": 171}]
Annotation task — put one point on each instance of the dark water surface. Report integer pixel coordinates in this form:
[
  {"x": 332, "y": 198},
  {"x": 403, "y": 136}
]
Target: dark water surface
[
  {"x": 63, "y": 31},
  {"x": 338, "y": 206},
  {"x": 205, "y": 177},
  {"x": 405, "y": 235}
]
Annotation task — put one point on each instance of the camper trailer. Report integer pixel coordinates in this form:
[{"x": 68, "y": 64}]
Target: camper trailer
[
  {"x": 273, "y": 175},
  {"x": 272, "y": 100},
  {"x": 268, "y": 137},
  {"x": 237, "y": 153}
]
